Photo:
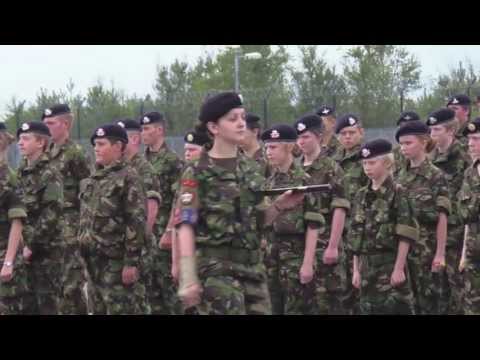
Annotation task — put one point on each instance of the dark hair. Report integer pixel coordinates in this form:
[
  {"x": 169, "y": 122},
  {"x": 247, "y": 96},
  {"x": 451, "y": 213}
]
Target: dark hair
[
  {"x": 112, "y": 141},
  {"x": 201, "y": 128}
]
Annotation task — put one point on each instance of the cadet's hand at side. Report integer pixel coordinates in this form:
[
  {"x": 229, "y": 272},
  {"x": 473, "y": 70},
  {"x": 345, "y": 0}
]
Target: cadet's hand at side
[
  {"x": 191, "y": 295},
  {"x": 438, "y": 263},
  {"x": 330, "y": 256},
  {"x": 306, "y": 273},
  {"x": 7, "y": 273},
  {"x": 129, "y": 275},
  {"x": 397, "y": 278}
]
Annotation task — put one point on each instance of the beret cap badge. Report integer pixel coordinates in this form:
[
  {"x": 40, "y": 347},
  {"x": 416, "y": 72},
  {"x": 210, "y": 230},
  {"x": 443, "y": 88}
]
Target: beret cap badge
[
  {"x": 301, "y": 127},
  {"x": 100, "y": 132},
  {"x": 25, "y": 127},
  {"x": 146, "y": 119},
  {"x": 275, "y": 134},
  {"x": 471, "y": 127},
  {"x": 351, "y": 121},
  {"x": 365, "y": 153},
  {"x": 190, "y": 137},
  {"x": 48, "y": 112}
]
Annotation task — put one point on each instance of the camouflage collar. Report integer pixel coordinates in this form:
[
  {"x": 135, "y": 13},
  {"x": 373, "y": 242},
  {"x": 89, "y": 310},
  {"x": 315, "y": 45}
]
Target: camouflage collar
[
  {"x": 54, "y": 150},
  {"x": 38, "y": 163},
  {"x": 101, "y": 171},
  {"x": 425, "y": 169},
  {"x": 386, "y": 186},
  {"x": 352, "y": 154},
  {"x": 453, "y": 150},
  {"x": 459, "y": 133},
  {"x": 163, "y": 148}
]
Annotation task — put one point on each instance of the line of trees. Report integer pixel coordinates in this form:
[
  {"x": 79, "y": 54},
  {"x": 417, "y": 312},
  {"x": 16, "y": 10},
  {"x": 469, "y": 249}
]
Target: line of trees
[{"x": 374, "y": 81}]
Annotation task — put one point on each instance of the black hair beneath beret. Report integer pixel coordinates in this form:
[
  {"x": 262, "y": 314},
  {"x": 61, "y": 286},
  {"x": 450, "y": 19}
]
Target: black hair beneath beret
[
  {"x": 375, "y": 148},
  {"x": 55, "y": 110},
  {"x": 325, "y": 110},
  {"x": 151, "y": 118},
  {"x": 218, "y": 105},
  {"x": 459, "y": 99},
  {"x": 280, "y": 133},
  {"x": 346, "y": 121},
  {"x": 129, "y": 124},
  {"x": 472, "y": 127},
  {"x": 308, "y": 122},
  {"x": 110, "y": 131},
  {"x": 440, "y": 116},
  {"x": 253, "y": 121},
  {"x": 412, "y": 128},
  {"x": 35, "y": 127},
  {"x": 407, "y": 116},
  {"x": 196, "y": 138}
]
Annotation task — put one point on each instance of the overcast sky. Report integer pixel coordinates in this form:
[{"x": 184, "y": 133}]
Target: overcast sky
[{"x": 26, "y": 68}]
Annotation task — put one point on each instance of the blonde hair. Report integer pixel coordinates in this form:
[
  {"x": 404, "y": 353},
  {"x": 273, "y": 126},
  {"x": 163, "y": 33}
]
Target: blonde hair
[
  {"x": 451, "y": 125},
  {"x": 430, "y": 144},
  {"x": 45, "y": 138},
  {"x": 389, "y": 160}
]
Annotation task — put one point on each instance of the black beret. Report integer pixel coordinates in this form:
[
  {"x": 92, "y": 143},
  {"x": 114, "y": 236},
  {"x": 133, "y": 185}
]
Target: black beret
[
  {"x": 151, "y": 117},
  {"x": 55, "y": 110},
  {"x": 129, "y": 124},
  {"x": 252, "y": 120},
  {"x": 326, "y": 110},
  {"x": 110, "y": 131},
  {"x": 346, "y": 121},
  {"x": 440, "y": 116},
  {"x": 459, "y": 99},
  {"x": 472, "y": 127},
  {"x": 2, "y": 126},
  {"x": 280, "y": 133},
  {"x": 375, "y": 148},
  {"x": 36, "y": 127},
  {"x": 308, "y": 122},
  {"x": 407, "y": 116},
  {"x": 218, "y": 105},
  {"x": 196, "y": 138},
  {"x": 412, "y": 128}
]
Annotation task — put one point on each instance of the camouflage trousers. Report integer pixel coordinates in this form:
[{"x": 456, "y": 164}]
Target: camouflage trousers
[
  {"x": 427, "y": 286},
  {"x": 44, "y": 274},
  {"x": 472, "y": 288},
  {"x": 377, "y": 295},
  {"x": 13, "y": 293},
  {"x": 73, "y": 300},
  {"x": 456, "y": 282},
  {"x": 329, "y": 285},
  {"x": 231, "y": 287},
  {"x": 163, "y": 292},
  {"x": 283, "y": 261},
  {"x": 107, "y": 293}
]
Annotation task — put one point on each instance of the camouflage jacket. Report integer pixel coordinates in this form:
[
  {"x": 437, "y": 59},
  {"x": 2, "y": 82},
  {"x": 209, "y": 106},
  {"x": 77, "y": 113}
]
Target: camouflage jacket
[
  {"x": 113, "y": 214},
  {"x": 427, "y": 192},
  {"x": 325, "y": 170},
  {"x": 380, "y": 219},
  {"x": 350, "y": 162},
  {"x": 40, "y": 187},
  {"x": 11, "y": 206},
  {"x": 296, "y": 220},
  {"x": 145, "y": 171},
  {"x": 223, "y": 206},
  {"x": 469, "y": 208},
  {"x": 70, "y": 161},
  {"x": 453, "y": 163},
  {"x": 167, "y": 167},
  {"x": 332, "y": 147}
]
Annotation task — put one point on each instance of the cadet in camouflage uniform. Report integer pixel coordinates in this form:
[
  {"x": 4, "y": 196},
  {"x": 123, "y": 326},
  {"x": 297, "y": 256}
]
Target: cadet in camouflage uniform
[
  {"x": 112, "y": 226},
  {"x": 13, "y": 276},
  {"x": 251, "y": 146},
  {"x": 400, "y": 161},
  {"x": 381, "y": 232},
  {"x": 426, "y": 188},
  {"x": 221, "y": 219},
  {"x": 70, "y": 161},
  {"x": 350, "y": 133},
  {"x": 469, "y": 208},
  {"x": 330, "y": 144},
  {"x": 41, "y": 189},
  {"x": 461, "y": 104},
  {"x": 167, "y": 167},
  {"x": 330, "y": 273},
  {"x": 152, "y": 187},
  {"x": 291, "y": 255},
  {"x": 449, "y": 157}
]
